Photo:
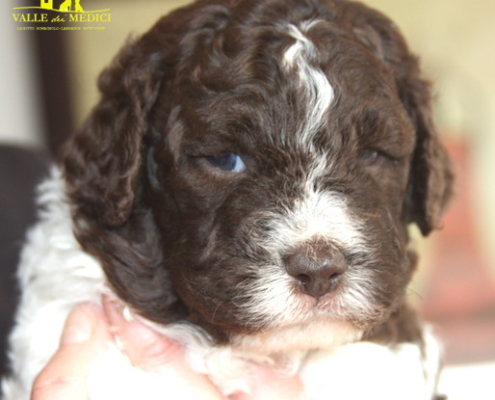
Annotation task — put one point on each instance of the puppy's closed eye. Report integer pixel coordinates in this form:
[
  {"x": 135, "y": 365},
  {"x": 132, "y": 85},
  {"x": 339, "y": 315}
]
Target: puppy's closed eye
[{"x": 373, "y": 156}]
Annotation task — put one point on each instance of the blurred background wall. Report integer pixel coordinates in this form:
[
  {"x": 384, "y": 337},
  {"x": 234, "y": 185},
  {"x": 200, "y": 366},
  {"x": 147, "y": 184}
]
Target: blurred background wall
[
  {"x": 20, "y": 114},
  {"x": 456, "y": 42}
]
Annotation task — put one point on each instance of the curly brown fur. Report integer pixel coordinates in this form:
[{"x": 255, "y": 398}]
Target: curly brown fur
[{"x": 182, "y": 240}]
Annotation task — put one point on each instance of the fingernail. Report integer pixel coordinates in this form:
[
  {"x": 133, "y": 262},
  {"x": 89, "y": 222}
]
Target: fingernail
[{"x": 80, "y": 324}]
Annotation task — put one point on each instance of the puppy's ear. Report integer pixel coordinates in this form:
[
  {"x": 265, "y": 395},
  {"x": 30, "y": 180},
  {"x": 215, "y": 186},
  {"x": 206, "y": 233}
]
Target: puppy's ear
[
  {"x": 102, "y": 161},
  {"x": 431, "y": 179}
]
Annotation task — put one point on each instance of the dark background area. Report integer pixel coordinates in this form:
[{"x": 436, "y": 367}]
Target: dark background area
[{"x": 22, "y": 169}]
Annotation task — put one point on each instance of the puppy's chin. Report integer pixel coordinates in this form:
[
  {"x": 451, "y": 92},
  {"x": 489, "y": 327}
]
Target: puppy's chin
[{"x": 325, "y": 333}]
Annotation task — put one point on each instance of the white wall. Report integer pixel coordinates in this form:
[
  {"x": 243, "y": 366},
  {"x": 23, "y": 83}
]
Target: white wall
[{"x": 20, "y": 118}]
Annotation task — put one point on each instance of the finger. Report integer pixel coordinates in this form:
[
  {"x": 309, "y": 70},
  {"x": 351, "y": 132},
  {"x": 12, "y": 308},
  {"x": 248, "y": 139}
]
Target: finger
[
  {"x": 85, "y": 335},
  {"x": 152, "y": 352},
  {"x": 144, "y": 347},
  {"x": 269, "y": 384}
]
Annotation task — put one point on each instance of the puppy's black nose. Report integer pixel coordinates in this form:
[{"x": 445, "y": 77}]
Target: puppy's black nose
[{"x": 317, "y": 267}]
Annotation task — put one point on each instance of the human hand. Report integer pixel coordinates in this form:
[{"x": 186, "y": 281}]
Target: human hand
[{"x": 89, "y": 365}]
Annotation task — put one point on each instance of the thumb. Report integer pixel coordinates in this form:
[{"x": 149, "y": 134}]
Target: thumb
[
  {"x": 160, "y": 356},
  {"x": 85, "y": 337},
  {"x": 144, "y": 347}
]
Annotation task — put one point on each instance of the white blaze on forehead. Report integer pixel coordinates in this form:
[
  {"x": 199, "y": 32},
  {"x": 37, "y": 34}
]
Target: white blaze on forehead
[
  {"x": 318, "y": 213},
  {"x": 319, "y": 91}
]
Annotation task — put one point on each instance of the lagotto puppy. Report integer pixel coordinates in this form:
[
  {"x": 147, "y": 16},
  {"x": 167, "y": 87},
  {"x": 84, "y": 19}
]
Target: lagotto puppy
[{"x": 245, "y": 185}]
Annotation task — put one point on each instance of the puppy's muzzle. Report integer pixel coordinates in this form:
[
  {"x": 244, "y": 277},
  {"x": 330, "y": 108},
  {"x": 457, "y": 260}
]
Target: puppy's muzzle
[{"x": 317, "y": 268}]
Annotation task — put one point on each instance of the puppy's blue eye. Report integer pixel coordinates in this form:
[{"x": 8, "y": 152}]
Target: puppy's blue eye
[{"x": 227, "y": 162}]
